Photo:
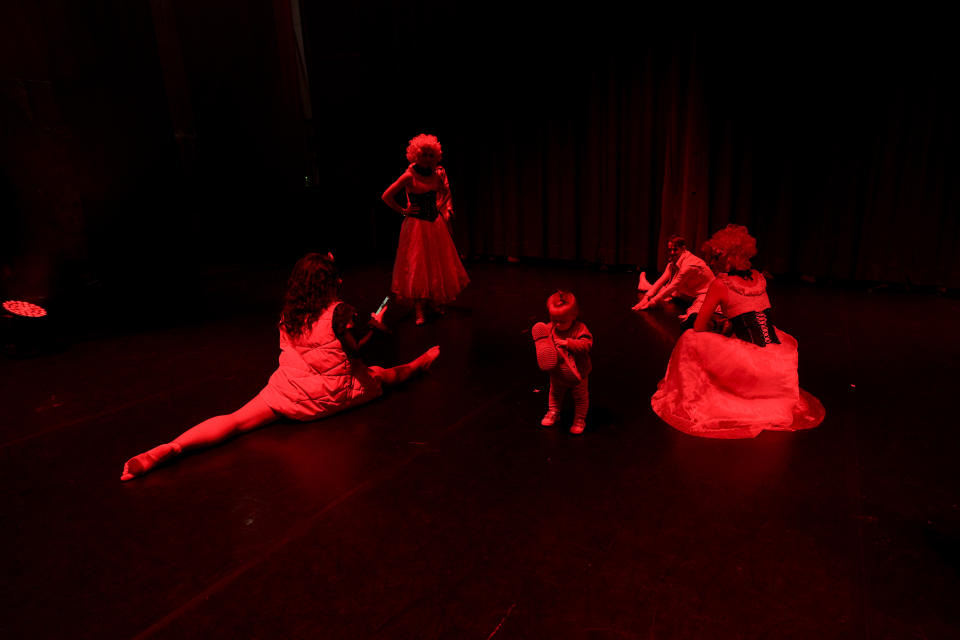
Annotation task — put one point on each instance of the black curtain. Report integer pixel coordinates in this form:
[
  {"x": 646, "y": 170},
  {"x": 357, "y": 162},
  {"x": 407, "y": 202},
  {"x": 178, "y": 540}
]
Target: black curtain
[
  {"x": 162, "y": 135},
  {"x": 83, "y": 136},
  {"x": 142, "y": 142},
  {"x": 593, "y": 135}
]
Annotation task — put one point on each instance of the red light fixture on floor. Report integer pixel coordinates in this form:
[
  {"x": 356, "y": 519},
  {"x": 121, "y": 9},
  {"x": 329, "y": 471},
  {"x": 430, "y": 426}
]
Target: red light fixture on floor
[
  {"x": 26, "y": 330},
  {"x": 24, "y": 309}
]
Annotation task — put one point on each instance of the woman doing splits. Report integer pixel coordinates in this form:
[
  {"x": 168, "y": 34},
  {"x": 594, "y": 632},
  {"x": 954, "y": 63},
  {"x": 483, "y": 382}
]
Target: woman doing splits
[{"x": 320, "y": 371}]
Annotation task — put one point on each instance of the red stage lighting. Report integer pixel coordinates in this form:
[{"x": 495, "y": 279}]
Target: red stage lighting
[
  {"x": 24, "y": 309},
  {"x": 26, "y": 330}
]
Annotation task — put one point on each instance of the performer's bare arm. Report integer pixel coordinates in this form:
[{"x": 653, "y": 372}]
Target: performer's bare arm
[
  {"x": 388, "y": 195},
  {"x": 716, "y": 293},
  {"x": 446, "y": 202}
]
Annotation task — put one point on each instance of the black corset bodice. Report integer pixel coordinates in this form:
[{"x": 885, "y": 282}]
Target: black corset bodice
[
  {"x": 427, "y": 203},
  {"x": 755, "y": 327}
]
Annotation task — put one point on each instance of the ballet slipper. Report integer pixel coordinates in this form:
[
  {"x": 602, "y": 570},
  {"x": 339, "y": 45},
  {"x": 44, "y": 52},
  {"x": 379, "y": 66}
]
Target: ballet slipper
[
  {"x": 141, "y": 464},
  {"x": 546, "y": 350},
  {"x": 427, "y": 358}
]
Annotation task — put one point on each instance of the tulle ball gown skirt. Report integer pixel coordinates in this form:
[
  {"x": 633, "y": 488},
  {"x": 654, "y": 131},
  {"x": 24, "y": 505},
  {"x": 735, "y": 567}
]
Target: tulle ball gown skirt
[
  {"x": 720, "y": 387},
  {"x": 427, "y": 266}
]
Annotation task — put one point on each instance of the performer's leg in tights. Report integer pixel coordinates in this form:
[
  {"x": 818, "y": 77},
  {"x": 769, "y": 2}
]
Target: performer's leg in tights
[
  {"x": 255, "y": 413},
  {"x": 395, "y": 375},
  {"x": 211, "y": 431},
  {"x": 419, "y": 308}
]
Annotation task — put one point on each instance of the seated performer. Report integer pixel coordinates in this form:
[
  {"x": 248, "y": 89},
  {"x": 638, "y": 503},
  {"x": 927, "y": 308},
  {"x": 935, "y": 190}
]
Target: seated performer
[
  {"x": 685, "y": 280},
  {"x": 720, "y": 387},
  {"x": 320, "y": 371}
]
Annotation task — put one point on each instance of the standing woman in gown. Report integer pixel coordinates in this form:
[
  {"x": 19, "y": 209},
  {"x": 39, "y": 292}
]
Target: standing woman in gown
[
  {"x": 427, "y": 270},
  {"x": 735, "y": 387}
]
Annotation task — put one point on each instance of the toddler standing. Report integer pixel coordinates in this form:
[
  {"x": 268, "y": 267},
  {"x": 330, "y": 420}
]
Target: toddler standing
[{"x": 563, "y": 349}]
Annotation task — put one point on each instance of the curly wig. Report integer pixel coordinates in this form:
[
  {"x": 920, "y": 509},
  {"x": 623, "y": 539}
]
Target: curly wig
[
  {"x": 562, "y": 305},
  {"x": 424, "y": 140},
  {"x": 314, "y": 283},
  {"x": 732, "y": 246}
]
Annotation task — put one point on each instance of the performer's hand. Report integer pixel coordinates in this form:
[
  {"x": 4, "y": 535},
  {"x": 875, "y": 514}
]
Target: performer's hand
[
  {"x": 376, "y": 321},
  {"x": 643, "y": 305},
  {"x": 413, "y": 209},
  {"x": 560, "y": 342}
]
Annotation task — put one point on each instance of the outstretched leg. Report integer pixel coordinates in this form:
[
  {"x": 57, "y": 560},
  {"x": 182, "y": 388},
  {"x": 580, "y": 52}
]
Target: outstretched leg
[
  {"x": 139, "y": 465},
  {"x": 212, "y": 431},
  {"x": 395, "y": 375}
]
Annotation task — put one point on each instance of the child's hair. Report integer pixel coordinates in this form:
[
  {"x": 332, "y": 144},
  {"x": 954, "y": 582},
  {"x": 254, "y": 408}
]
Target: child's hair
[
  {"x": 314, "y": 283},
  {"x": 419, "y": 142},
  {"x": 562, "y": 305}
]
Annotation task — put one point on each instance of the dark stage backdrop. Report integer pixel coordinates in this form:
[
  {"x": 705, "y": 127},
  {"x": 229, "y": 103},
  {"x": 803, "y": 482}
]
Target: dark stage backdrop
[
  {"x": 85, "y": 141},
  {"x": 593, "y": 136},
  {"x": 143, "y": 141}
]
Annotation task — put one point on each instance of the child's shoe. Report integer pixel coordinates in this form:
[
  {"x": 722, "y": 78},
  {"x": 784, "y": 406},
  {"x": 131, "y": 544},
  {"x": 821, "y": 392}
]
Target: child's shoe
[
  {"x": 579, "y": 424},
  {"x": 550, "y": 418},
  {"x": 546, "y": 350}
]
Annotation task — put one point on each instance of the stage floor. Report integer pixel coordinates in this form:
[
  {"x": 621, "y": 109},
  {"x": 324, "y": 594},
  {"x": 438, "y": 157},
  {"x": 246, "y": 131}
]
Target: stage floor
[{"x": 443, "y": 509}]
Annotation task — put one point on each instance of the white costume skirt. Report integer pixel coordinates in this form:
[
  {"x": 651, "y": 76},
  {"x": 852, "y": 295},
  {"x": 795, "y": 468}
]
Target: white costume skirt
[
  {"x": 720, "y": 387},
  {"x": 427, "y": 266}
]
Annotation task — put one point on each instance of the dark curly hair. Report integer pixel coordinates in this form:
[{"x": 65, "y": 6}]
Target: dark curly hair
[{"x": 314, "y": 283}]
